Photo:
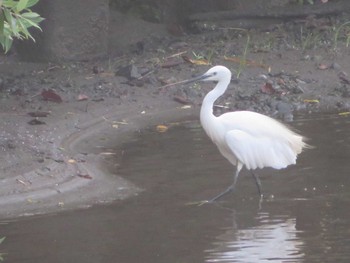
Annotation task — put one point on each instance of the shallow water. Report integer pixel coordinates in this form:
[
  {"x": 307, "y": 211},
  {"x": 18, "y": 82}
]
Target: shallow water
[{"x": 304, "y": 218}]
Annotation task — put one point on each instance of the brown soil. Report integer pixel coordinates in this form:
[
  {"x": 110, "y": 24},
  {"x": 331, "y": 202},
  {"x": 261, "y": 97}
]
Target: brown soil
[{"x": 45, "y": 168}]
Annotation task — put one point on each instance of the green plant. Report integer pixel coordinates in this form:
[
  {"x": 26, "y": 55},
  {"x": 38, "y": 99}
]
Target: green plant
[
  {"x": 310, "y": 39},
  {"x": 208, "y": 56},
  {"x": 198, "y": 56},
  {"x": 337, "y": 32},
  {"x": 15, "y": 20},
  {"x": 243, "y": 60}
]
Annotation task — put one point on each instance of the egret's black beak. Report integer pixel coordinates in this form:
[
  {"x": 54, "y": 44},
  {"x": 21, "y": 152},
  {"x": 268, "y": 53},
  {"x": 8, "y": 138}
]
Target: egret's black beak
[{"x": 199, "y": 78}]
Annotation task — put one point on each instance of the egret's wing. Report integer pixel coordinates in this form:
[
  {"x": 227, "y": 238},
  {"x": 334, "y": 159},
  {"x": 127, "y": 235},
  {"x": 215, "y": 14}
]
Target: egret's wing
[
  {"x": 263, "y": 127},
  {"x": 260, "y": 151}
]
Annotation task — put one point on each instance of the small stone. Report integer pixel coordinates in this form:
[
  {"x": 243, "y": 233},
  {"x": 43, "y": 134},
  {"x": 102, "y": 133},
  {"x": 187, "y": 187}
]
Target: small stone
[{"x": 335, "y": 66}]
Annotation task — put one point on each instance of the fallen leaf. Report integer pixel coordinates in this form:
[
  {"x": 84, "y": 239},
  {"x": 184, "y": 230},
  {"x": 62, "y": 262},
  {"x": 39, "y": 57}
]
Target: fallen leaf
[
  {"x": 82, "y": 97},
  {"x": 200, "y": 62},
  {"x": 51, "y": 95},
  {"x": 36, "y": 122},
  {"x": 322, "y": 66},
  {"x": 22, "y": 182},
  {"x": 247, "y": 62},
  {"x": 85, "y": 176},
  {"x": 281, "y": 82},
  {"x": 186, "y": 107},
  {"x": 171, "y": 63},
  {"x": 182, "y": 100},
  {"x": 107, "y": 153},
  {"x": 346, "y": 113},
  {"x": 267, "y": 88},
  {"x": 107, "y": 74},
  {"x": 72, "y": 161},
  {"x": 39, "y": 114},
  {"x": 162, "y": 128},
  {"x": 311, "y": 101}
]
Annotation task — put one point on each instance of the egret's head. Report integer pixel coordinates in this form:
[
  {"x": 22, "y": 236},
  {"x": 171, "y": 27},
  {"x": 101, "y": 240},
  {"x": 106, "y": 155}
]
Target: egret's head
[{"x": 217, "y": 73}]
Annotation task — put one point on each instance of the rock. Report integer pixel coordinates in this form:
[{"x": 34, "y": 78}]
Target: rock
[
  {"x": 335, "y": 66},
  {"x": 130, "y": 72}
]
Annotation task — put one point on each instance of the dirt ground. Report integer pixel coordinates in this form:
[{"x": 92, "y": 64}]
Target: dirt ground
[{"x": 48, "y": 110}]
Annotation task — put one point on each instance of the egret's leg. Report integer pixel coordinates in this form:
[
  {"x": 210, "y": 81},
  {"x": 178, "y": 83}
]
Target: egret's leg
[
  {"x": 258, "y": 184},
  {"x": 230, "y": 188}
]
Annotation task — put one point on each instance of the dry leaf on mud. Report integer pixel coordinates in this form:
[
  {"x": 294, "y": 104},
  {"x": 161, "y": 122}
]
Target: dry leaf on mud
[
  {"x": 322, "y": 66},
  {"x": 23, "y": 182},
  {"x": 51, "y": 95},
  {"x": 107, "y": 153},
  {"x": 72, "y": 161},
  {"x": 82, "y": 97},
  {"x": 200, "y": 62},
  {"x": 186, "y": 107},
  {"x": 345, "y": 113},
  {"x": 267, "y": 88},
  {"x": 311, "y": 101},
  {"x": 182, "y": 100},
  {"x": 247, "y": 62},
  {"x": 85, "y": 176},
  {"x": 162, "y": 128},
  {"x": 171, "y": 63}
]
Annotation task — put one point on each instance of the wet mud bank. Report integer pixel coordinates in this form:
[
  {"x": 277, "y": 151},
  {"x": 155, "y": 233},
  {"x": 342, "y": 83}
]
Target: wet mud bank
[{"x": 67, "y": 170}]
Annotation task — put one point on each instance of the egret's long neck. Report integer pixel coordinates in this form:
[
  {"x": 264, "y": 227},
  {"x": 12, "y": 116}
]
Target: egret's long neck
[{"x": 210, "y": 98}]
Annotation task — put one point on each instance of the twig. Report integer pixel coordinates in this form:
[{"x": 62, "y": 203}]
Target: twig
[
  {"x": 177, "y": 54},
  {"x": 173, "y": 84}
]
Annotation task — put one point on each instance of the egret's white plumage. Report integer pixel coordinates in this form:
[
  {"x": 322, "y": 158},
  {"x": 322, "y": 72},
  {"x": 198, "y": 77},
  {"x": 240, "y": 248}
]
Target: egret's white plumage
[{"x": 246, "y": 138}]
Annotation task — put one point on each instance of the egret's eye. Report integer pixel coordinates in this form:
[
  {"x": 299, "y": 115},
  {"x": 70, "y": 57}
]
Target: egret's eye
[{"x": 215, "y": 73}]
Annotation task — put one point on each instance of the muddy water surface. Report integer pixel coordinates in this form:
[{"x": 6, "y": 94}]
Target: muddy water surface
[{"x": 305, "y": 216}]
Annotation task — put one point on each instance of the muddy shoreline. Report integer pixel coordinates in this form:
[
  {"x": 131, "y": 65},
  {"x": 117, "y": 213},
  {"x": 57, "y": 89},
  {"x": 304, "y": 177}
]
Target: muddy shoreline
[{"x": 77, "y": 177}]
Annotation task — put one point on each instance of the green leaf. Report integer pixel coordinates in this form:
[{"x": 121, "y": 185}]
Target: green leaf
[
  {"x": 2, "y": 239},
  {"x": 11, "y": 21},
  {"x": 9, "y": 4},
  {"x": 31, "y": 3},
  {"x": 25, "y": 30},
  {"x": 15, "y": 20},
  {"x": 33, "y": 17},
  {"x": 22, "y": 4},
  {"x": 30, "y": 15},
  {"x": 6, "y": 42},
  {"x": 2, "y": 21},
  {"x": 8, "y": 15},
  {"x": 30, "y": 23}
]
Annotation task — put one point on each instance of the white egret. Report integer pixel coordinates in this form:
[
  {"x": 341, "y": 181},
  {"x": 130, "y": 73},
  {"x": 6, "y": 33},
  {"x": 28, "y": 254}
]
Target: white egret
[{"x": 246, "y": 138}]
